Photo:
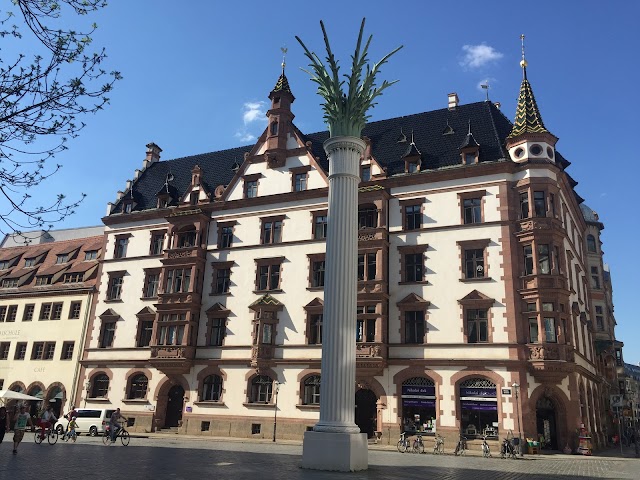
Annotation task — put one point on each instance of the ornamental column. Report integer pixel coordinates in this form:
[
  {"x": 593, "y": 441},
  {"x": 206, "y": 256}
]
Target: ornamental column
[{"x": 336, "y": 442}]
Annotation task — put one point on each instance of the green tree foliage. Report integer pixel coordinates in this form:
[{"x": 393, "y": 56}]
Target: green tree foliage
[
  {"x": 50, "y": 77},
  {"x": 346, "y": 113}
]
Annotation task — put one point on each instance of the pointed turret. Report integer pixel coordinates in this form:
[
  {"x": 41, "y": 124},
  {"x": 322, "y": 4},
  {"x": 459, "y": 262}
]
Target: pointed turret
[
  {"x": 280, "y": 120},
  {"x": 529, "y": 138}
]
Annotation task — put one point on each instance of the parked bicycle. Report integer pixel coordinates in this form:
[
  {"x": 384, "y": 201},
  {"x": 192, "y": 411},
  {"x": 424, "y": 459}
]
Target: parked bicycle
[
  {"x": 418, "y": 445},
  {"x": 49, "y": 433},
  {"x": 507, "y": 449},
  {"x": 403, "y": 443},
  {"x": 438, "y": 447},
  {"x": 122, "y": 433},
  {"x": 461, "y": 447},
  {"x": 486, "y": 450}
]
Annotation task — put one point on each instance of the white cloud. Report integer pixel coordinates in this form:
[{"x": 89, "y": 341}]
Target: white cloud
[
  {"x": 244, "y": 136},
  {"x": 254, "y": 111},
  {"x": 486, "y": 81},
  {"x": 476, "y": 56}
]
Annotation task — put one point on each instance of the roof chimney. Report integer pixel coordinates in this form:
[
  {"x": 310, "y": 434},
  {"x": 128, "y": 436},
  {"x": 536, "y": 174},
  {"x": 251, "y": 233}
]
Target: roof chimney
[
  {"x": 153, "y": 152},
  {"x": 453, "y": 100}
]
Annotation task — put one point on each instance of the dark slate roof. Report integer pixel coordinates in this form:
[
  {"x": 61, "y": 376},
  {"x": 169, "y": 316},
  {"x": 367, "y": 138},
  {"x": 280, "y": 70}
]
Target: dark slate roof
[
  {"x": 469, "y": 142},
  {"x": 438, "y": 151},
  {"x": 528, "y": 118},
  {"x": 282, "y": 85},
  {"x": 588, "y": 214}
]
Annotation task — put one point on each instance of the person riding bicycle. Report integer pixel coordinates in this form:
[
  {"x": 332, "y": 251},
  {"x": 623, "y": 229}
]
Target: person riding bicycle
[
  {"x": 114, "y": 425},
  {"x": 47, "y": 420}
]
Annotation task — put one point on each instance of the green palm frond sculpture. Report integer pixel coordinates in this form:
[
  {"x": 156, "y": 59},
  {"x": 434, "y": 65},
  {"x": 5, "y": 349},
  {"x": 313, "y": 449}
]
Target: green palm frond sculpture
[{"x": 346, "y": 113}]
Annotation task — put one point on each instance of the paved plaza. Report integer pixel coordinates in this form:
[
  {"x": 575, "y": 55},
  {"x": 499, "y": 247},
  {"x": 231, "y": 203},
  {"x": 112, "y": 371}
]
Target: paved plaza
[{"x": 177, "y": 458}]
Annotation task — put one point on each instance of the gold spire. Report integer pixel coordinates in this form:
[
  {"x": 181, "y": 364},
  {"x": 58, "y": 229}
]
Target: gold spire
[
  {"x": 284, "y": 56},
  {"x": 523, "y": 62},
  {"x": 282, "y": 85}
]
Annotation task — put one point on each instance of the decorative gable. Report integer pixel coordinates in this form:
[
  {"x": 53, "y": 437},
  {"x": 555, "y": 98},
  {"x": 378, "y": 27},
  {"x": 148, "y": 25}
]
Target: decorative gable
[{"x": 476, "y": 299}]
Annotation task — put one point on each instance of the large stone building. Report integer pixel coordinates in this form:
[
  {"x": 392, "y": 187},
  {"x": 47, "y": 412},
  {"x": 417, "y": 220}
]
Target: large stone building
[
  {"x": 476, "y": 299},
  {"x": 47, "y": 286}
]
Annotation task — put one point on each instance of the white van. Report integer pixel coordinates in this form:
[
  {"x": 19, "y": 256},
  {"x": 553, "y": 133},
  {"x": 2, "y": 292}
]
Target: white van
[{"x": 89, "y": 420}]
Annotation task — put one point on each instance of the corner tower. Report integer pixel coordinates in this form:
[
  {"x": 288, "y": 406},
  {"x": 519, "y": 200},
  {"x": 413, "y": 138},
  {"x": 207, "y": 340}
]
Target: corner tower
[{"x": 529, "y": 139}]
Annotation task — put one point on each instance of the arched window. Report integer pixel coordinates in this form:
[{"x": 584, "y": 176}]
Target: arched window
[
  {"x": 261, "y": 388},
  {"x": 479, "y": 407},
  {"x": 100, "y": 386},
  {"x": 211, "y": 389},
  {"x": 419, "y": 404},
  {"x": 311, "y": 390},
  {"x": 591, "y": 244},
  {"x": 138, "y": 387}
]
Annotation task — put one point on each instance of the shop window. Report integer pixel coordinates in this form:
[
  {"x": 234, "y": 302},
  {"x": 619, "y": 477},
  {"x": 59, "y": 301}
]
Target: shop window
[
  {"x": 478, "y": 408},
  {"x": 419, "y": 405}
]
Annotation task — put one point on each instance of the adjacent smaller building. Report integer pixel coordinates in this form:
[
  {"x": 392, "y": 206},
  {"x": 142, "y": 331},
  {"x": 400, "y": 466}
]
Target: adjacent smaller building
[{"x": 47, "y": 286}]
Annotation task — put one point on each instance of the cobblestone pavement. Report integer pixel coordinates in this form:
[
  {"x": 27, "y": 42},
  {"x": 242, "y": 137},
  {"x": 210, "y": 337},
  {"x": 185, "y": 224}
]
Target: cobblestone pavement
[{"x": 178, "y": 458}]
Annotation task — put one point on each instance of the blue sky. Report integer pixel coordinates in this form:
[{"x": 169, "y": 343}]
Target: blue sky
[{"x": 197, "y": 75}]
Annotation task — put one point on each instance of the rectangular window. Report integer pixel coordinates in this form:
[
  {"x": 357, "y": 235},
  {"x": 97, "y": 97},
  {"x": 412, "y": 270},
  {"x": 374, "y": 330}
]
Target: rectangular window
[
  {"x": 250, "y": 188},
  {"x": 472, "y": 210},
  {"x": 29, "y": 262},
  {"x": 412, "y": 217},
  {"x": 157, "y": 244},
  {"x": 37, "y": 352},
  {"x": 271, "y": 231},
  {"x": 595, "y": 278},
  {"x": 4, "y": 350},
  {"x": 319, "y": 226},
  {"x": 540, "y": 204},
  {"x": 225, "y": 236},
  {"x": 414, "y": 327},
  {"x": 151, "y": 282},
  {"x": 269, "y": 277},
  {"x": 114, "y": 291},
  {"x": 412, "y": 167},
  {"x": 317, "y": 274},
  {"x": 49, "y": 350},
  {"x": 178, "y": 281},
  {"x": 300, "y": 182},
  {"x": 477, "y": 326},
  {"x": 544, "y": 259},
  {"x": 12, "y": 313},
  {"x": 524, "y": 205},
  {"x": 367, "y": 266},
  {"x": 218, "y": 329},
  {"x": 10, "y": 282},
  {"x": 365, "y": 173},
  {"x": 91, "y": 255},
  {"x": 413, "y": 267},
  {"x": 366, "y": 330},
  {"x": 599, "y": 318},
  {"x": 44, "y": 280},
  {"x": 73, "y": 277},
  {"x": 223, "y": 280},
  {"x": 56, "y": 311},
  {"x": 3, "y": 313},
  {"x": 45, "y": 311},
  {"x": 67, "y": 351},
  {"x": 315, "y": 329},
  {"x": 145, "y": 333},
  {"x": 474, "y": 263},
  {"x": 62, "y": 258},
  {"x": 21, "y": 351},
  {"x": 75, "y": 309},
  {"x": 528, "y": 260},
  {"x": 367, "y": 218},
  {"x": 550, "y": 329},
  {"x": 108, "y": 334},
  {"x": 552, "y": 204},
  {"x": 533, "y": 330},
  {"x": 531, "y": 307},
  {"x": 121, "y": 247},
  {"x": 267, "y": 334},
  {"x": 27, "y": 316},
  {"x": 547, "y": 307}
]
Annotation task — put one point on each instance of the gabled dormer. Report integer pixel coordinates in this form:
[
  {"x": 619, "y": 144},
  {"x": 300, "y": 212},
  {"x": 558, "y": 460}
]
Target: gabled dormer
[
  {"x": 529, "y": 139},
  {"x": 168, "y": 194},
  {"x": 196, "y": 192},
  {"x": 280, "y": 122},
  {"x": 412, "y": 158},
  {"x": 469, "y": 149}
]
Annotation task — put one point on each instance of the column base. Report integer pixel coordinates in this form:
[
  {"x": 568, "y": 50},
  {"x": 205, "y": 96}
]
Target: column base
[{"x": 341, "y": 452}]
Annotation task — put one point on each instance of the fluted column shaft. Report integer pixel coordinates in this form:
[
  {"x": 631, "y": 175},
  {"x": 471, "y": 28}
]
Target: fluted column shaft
[{"x": 337, "y": 390}]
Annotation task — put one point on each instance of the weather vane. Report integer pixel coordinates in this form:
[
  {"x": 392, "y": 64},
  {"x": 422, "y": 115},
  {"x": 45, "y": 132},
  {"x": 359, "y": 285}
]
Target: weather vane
[
  {"x": 284, "y": 56},
  {"x": 523, "y": 62}
]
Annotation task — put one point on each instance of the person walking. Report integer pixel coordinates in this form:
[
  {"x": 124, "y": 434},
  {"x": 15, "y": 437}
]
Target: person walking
[
  {"x": 22, "y": 419},
  {"x": 4, "y": 422}
]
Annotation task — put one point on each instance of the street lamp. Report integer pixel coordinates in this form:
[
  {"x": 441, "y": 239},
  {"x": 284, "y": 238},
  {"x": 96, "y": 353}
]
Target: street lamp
[
  {"x": 276, "y": 387},
  {"x": 516, "y": 387}
]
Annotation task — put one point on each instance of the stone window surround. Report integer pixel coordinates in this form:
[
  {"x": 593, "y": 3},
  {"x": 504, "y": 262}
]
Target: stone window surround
[
  {"x": 17, "y": 351},
  {"x": 475, "y": 151},
  {"x": 215, "y": 315},
  {"x": 249, "y": 378},
  {"x": 72, "y": 304},
  {"x": 561, "y": 318},
  {"x": 204, "y": 373},
  {"x": 412, "y": 249},
  {"x": 477, "y": 304},
  {"x": 314, "y": 214},
  {"x": 152, "y": 234},
  {"x": 118, "y": 237},
  {"x": 112, "y": 275},
  {"x": 92, "y": 377},
  {"x": 477, "y": 244},
  {"x": 143, "y": 317},
  {"x": 303, "y": 377},
  {"x": 45, "y": 346},
  {"x": 147, "y": 272},
  {"x": 265, "y": 314},
  {"x": 412, "y": 303},
  {"x": 313, "y": 258},
  {"x": 215, "y": 266},
  {"x": 462, "y": 196},
  {"x": 539, "y": 184},
  {"x": 106, "y": 319},
  {"x": 260, "y": 262},
  {"x": 409, "y": 203},
  {"x": 412, "y": 160},
  {"x": 251, "y": 178},
  {"x": 543, "y": 239},
  {"x": 272, "y": 219},
  {"x": 315, "y": 307},
  {"x": 299, "y": 170},
  {"x": 221, "y": 225},
  {"x": 380, "y": 333},
  {"x": 130, "y": 375}
]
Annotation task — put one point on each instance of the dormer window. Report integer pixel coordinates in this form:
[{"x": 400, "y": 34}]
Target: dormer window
[
  {"x": 127, "y": 207},
  {"x": 73, "y": 277},
  {"x": 413, "y": 167},
  {"x": 91, "y": 254},
  {"x": 194, "y": 197},
  {"x": 29, "y": 262},
  {"x": 365, "y": 173},
  {"x": 251, "y": 189},
  {"x": 62, "y": 258},
  {"x": 10, "y": 283},
  {"x": 469, "y": 158},
  {"x": 163, "y": 202},
  {"x": 4, "y": 265},
  {"x": 44, "y": 280}
]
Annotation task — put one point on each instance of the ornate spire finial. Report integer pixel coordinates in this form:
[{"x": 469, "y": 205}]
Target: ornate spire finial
[
  {"x": 523, "y": 62},
  {"x": 284, "y": 56},
  {"x": 469, "y": 132}
]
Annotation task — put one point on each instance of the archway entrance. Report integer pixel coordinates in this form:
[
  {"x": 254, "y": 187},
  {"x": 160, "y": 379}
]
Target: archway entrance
[
  {"x": 366, "y": 412},
  {"x": 56, "y": 399},
  {"x": 175, "y": 401},
  {"x": 546, "y": 422},
  {"x": 35, "y": 405}
]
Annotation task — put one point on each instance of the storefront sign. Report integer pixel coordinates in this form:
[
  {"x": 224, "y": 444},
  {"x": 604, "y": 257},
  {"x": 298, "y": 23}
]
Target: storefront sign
[
  {"x": 478, "y": 392},
  {"x": 418, "y": 391},
  {"x": 418, "y": 402},
  {"x": 506, "y": 391},
  {"x": 473, "y": 405}
]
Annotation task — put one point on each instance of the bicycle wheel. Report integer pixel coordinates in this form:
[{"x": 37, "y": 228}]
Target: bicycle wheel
[
  {"x": 418, "y": 447},
  {"x": 401, "y": 446},
  {"x": 106, "y": 438},
  {"x": 124, "y": 438},
  {"x": 52, "y": 438},
  {"x": 37, "y": 438}
]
